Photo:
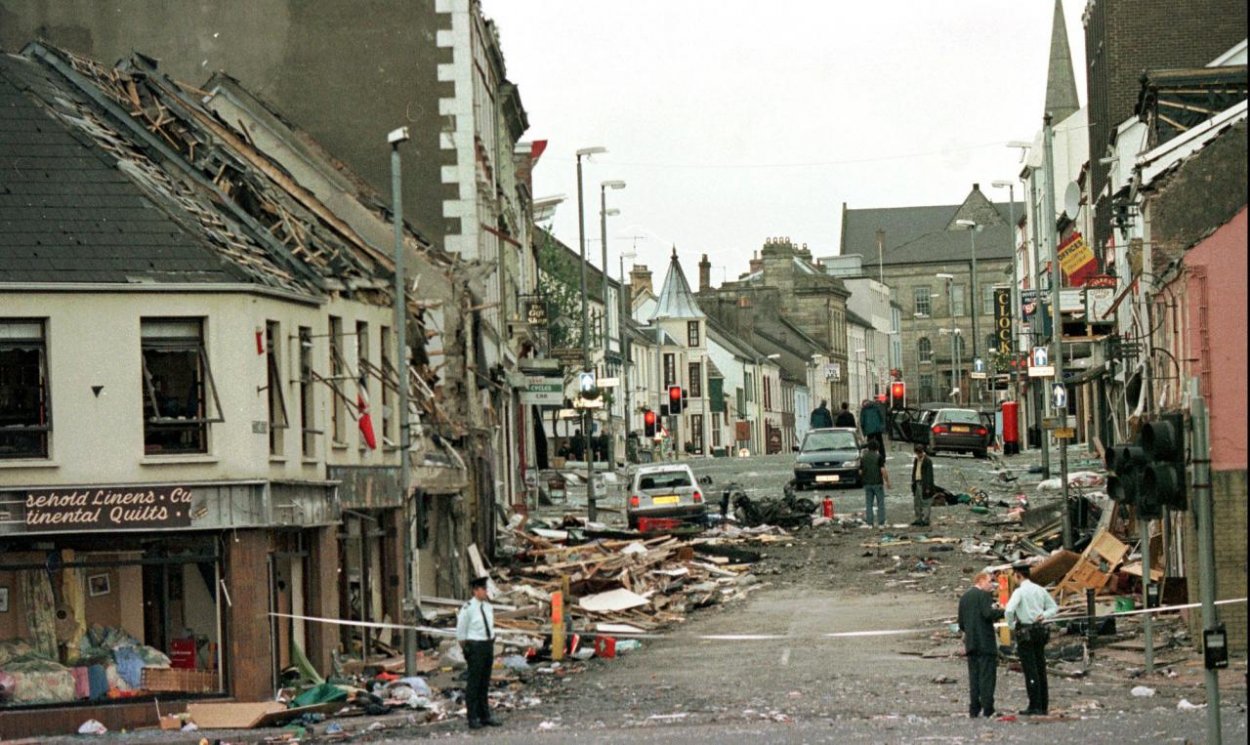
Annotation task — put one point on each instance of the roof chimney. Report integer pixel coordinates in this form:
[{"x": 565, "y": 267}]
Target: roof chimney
[
  {"x": 757, "y": 264},
  {"x": 639, "y": 280},
  {"x": 705, "y": 274}
]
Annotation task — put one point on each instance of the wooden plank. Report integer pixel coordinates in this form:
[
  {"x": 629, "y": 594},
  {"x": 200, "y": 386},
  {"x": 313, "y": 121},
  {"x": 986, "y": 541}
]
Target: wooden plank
[
  {"x": 475, "y": 558},
  {"x": 230, "y": 715}
]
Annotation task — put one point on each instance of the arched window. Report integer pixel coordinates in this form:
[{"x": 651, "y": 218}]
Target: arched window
[{"x": 925, "y": 349}]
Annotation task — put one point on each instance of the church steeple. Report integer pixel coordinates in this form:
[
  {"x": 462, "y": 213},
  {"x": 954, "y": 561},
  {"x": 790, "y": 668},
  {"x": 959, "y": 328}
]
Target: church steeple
[{"x": 1061, "y": 97}]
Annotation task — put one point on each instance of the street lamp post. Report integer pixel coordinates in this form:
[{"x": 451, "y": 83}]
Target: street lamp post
[
  {"x": 592, "y": 512},
  {"x": 626, "y": 305},
  {"x": 604, "y": 213},
  {"x": 973, "y": 227},
  {"x": 1015, "y": 286},
  {"x": 954, "y": 329},
  {"x": 409, "y": 602},
  {"x": 1056, "y": 332}
]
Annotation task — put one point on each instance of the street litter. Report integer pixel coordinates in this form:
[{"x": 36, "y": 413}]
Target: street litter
[
  {"x": 1185, "y": 705},
  {"x": 1142, "y": 691},
  {"x": 92, "y": 727}
]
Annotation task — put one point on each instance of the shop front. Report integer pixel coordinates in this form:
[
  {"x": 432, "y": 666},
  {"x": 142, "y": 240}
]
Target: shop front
[{"x": 117, "y": 599}]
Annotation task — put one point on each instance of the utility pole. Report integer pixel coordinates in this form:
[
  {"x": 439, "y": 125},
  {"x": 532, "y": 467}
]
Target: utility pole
[
  {"x": 1056, "y": 331},
  {"x": 1200, "y": 452},
  {"x": 1042, "y": 407},
  {"x": 591, "y": 508}
]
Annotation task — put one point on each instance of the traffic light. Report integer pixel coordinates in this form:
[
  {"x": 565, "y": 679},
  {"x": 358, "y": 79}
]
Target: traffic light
[
  {"x": 898, "y": 395},
  {"x": 648, "y": 423},
  {"x": 674, "y": 399},
  {"x": 1124, "y": 464},
  {"x": 1163, "y": 480}
]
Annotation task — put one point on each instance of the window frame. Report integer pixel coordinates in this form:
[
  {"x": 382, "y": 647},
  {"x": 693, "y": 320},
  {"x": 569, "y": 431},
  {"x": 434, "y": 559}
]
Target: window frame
[
  {"x": 43, "y": 431},
  {"x": 694, "y": 385},
  {"x": 307, "y": 395},
  {"x": 670, "y": 369},
  {"x": 920, "y": 296},
  {"x": 958, "y": 301},
  {"x": 924, "y": 350},
  {"x": 206, "y": 401},
  {"x": 274, "y": 388},
  {"x": 692, "y": 333}
]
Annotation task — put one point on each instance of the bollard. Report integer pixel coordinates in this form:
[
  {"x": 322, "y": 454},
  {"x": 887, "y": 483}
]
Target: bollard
[{"x": 557, "y": 626}]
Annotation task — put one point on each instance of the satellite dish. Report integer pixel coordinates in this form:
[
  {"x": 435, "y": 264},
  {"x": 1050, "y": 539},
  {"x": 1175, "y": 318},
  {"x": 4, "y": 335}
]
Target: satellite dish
[{"x": 1072, "y": 200}]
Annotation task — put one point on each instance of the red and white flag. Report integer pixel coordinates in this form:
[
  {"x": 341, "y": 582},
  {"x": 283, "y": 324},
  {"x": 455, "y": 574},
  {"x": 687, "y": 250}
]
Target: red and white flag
[{"x": 365, "y": 421}]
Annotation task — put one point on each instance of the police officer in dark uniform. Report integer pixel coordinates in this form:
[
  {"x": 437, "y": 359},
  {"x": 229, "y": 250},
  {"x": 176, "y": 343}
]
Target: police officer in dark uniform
[{"x": 475, "y": 630}]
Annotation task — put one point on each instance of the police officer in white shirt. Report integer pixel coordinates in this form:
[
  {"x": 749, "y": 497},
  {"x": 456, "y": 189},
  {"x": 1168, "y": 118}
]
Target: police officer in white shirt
[
  {"x": 1027, "y": 612},
  {"x": 475, "y": 630}
]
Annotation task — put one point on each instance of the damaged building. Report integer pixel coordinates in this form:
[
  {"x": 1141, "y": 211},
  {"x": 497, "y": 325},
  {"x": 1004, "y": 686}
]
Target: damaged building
[{"x": 200, "y": 445}]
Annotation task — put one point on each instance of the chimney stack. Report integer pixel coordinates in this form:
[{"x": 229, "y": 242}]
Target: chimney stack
[
  {"x": 756, "y": 262},
  {"x": 705, "y": 274},
  {"x": 639, "y": 280}
]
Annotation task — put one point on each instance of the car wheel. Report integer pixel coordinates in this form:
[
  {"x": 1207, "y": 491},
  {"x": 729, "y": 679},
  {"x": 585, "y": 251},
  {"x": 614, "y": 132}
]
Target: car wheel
[{"x": 980, "y": 454}]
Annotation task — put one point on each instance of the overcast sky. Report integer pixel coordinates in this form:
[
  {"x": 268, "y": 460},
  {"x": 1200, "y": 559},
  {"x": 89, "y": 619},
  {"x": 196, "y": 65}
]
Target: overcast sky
[{"x": 735, "y": 120}]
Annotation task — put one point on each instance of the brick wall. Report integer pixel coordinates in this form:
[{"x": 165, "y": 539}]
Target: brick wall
[
  {"x": 1123, "y": 39},
  {"x": 1229, "y": 497}
]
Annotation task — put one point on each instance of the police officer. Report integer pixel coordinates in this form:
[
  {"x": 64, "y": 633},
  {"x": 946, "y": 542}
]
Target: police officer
[{"x": 475, "y": 630}]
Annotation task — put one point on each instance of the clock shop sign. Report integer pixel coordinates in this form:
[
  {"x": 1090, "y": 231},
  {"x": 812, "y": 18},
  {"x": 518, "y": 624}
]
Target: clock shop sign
[{"x": 108, "y": 508}]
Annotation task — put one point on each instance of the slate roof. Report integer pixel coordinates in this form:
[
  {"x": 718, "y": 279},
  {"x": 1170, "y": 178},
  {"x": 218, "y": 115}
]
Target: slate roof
[
  {"x": 68, "y": 213},
  {"x": 120, "y": 175},
  {"x": 676, "y": 300},
  {"x": 918, "y": 235}
]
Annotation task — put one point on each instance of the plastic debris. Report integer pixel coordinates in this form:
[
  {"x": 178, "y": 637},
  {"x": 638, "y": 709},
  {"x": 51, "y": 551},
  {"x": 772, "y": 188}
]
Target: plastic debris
[
  {"x": 1142, "y": 691},
  {"x": 1185, "y": 705},
  {"x": 92, "y": 727}
]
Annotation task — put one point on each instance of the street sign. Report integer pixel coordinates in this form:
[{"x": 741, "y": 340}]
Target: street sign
[
  {"x": 588, "y": 403},
  {"x": 609, "y": 382},
  {"x": 978, "y": 365},
  {"x": 585, "y": 381},
  {"x": 1042, "y": 372},
  {"x": 978, "y": 375},
  {"x": 1065, "y": 433},
  {"x": 1054, "y": 422},
  {"x": 1059, "y": 396},
  {"x": 1041, "y": 357},
  {"x": 569, "y": 414},
  {"x": 833, "y": 371}
]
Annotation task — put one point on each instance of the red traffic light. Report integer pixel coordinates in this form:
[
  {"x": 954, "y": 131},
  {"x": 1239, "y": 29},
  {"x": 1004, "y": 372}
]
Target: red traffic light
[
  {"x": 648, "y": 423},
  {"x": 898, "y": 394},
  {"x": 674, "y": 399}
]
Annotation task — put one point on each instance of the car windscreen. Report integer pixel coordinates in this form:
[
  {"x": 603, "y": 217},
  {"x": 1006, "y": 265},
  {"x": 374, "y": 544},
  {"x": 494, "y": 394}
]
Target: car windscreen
[
  {"x": 664, "y": 480},
  {"x": 817, "y": 441},
  {"x": 959, "y": 416}
]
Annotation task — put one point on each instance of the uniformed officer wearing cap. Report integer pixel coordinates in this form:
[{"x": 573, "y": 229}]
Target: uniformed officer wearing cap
[{"x": 475, "y": 630}]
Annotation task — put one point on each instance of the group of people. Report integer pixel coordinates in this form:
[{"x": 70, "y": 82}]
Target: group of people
[{"x": 1028, "y": 612}]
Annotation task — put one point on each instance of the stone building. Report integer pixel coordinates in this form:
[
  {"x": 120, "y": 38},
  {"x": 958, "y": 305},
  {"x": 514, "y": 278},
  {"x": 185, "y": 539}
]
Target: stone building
[{"x": 939, "y": 312}]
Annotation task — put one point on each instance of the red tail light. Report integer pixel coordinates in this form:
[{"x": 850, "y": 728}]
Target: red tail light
[
  {"x": 939, "y": 429},
  {"x": 633, "y": 501},
  {"x": 982, "y": 431},
  {"x": 698, "y": 497}
]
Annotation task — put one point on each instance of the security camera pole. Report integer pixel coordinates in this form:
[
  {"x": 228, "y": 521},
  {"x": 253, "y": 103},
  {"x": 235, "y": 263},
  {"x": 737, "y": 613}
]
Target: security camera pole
[
  {"x": 409, "y": 604},
  {"x": 1056, "y": 326}
]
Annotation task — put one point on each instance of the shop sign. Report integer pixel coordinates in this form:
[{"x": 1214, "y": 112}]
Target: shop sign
[
  {"x": 1002, "y": 319},
  {"x": 108, "y": 508},
  {"x": 536, "y": 312},
  {"x": 543, "y": 390},
  {"x": 1076, "y": 259}
]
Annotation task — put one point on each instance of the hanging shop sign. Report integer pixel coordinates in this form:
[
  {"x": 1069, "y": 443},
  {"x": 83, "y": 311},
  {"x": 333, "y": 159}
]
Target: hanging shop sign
[
  {"x": 1076, "y": 259},
  {"x": 536, "y": 312},
  {"x": 108, "y": 508},
  {"x": 543, "y": 390},
  {"x": 1002, "y": 320}
]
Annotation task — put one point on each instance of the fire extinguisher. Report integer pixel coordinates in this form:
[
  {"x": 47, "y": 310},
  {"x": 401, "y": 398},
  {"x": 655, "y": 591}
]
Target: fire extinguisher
[{"x": 828, "y": 507}]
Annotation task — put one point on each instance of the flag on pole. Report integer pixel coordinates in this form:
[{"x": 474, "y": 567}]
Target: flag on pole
[{"x": 365, "y": 421}]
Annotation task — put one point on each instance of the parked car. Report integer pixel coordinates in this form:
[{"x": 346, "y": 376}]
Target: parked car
[
  {"x": 829, "y": 457},
  {"x": 913, "y": 424},
  {"x": 959, "y": 430},
  {"x": 665, "y": 490}
]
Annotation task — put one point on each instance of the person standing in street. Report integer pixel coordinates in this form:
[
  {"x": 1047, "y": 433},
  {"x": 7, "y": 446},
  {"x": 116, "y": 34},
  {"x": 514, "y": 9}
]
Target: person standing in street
[
  {"x": 875, "y": 479},
  {"x": 821, "y": 417},
  {"x": 977, "y": 614},
  {"x": 921, "y": 487},
  {"x": 872, "y": 424},
  {"x": 475, "y": 630},
  {"x": 1028, "y": 609},
  {"x": 845, "y": 417}
]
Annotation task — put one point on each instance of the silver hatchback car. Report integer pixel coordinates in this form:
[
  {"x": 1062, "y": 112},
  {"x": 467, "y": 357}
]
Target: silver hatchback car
[{"x": 665, "y": 490}]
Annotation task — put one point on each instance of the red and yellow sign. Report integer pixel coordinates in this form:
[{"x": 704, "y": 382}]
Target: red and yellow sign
[{"x": 1076, "y": 259}]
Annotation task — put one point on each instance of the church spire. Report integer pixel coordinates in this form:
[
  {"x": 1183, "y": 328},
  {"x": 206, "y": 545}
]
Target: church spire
[{"x": 1061, "y": 98}]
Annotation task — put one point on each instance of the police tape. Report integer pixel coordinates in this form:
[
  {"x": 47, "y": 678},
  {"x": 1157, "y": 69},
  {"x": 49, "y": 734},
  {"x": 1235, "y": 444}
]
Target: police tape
[{"x": 437, "y": 631}]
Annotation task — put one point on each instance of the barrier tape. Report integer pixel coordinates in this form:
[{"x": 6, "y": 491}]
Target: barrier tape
[{"x": 435, "y": 631}]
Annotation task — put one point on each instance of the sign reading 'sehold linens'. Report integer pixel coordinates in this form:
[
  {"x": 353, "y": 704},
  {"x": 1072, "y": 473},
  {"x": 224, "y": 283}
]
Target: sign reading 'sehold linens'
[{"x": 108, "y": 508}]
